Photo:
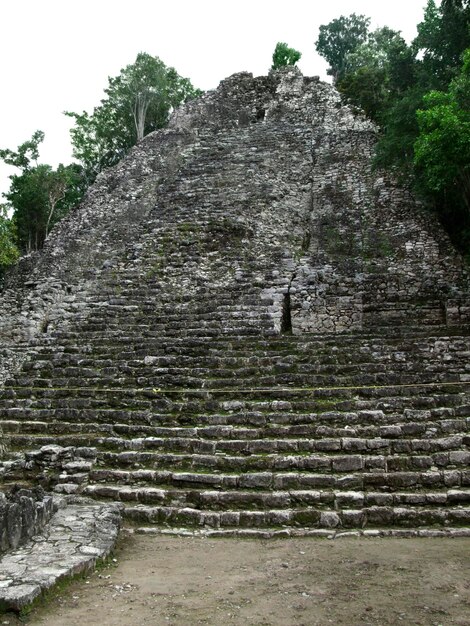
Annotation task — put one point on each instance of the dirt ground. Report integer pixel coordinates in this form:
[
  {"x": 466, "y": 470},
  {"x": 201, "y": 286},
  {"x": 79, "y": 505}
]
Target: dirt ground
[{"x": 181, "y": 581}]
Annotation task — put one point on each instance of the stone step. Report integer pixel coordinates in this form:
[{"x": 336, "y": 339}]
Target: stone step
[
  {"x": 396, "y": 434},
  {"x": 346, "y": 409},
  {"x": 124, "y": 351},
  {"x": 370, "y": 424},
  {"x": 123, "y": 298},
  {"x": 219, "y": 500},
  {"x": 224, "y": 364},
  {"x": 157, "y": 319},
  {"x": 306, "y": 346},
  {"x": 87, "y": 379},
  {"x": 376, "y": 481},
  {"x": 318, "y": 462},
  {"x": 301, "y": 374},
  {"x": 220, "y": 370},
  {"x": 304, "y": 378},
  {"x": 311, "y": 517},
  {"x": 143, "y": 338},
  {"x": 248, "y": 447},
  {"x": 406, "y": 342},
  {"x": 76, "y": 539},
  {"x": 137, "y": 327}
]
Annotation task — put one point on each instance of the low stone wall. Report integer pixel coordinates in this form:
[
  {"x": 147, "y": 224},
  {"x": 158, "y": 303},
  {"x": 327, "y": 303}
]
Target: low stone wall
[
  {"x": 77, "y": 536},
  {"x": 23, "y": 514}
]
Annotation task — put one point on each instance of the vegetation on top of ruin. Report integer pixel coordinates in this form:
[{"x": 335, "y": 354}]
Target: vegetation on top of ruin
[{"x": 283, "y": 56}]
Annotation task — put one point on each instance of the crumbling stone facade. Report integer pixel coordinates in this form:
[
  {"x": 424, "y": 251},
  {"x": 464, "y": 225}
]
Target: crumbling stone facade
[{"x": 284, "y": 169}]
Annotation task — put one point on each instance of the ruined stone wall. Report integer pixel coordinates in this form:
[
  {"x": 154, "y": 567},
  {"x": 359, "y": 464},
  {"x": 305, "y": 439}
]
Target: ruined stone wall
[
  {"x": 372, "y": 255},
  {"x": 263, "y": 185},
  {"x": 358, "y": 250},
  {"x": 23, "y": 514}
]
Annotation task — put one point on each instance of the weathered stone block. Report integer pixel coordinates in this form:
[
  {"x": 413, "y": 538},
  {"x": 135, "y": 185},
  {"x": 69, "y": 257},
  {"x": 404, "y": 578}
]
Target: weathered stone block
[
  {"x": 14, "y": 526},
  {"x": 353, "y": 519},
  {"x": 379, "y": 516},
  {"x": 452, "y": 478},
  {"x": 329, "y": 519},
  {"x": 259, "y": 480},
  {"x": 378, "y": 499},
  {"x": 346, "y": 499},
  {"x": 347, "y": 463},
  {"x": 306, "y": 517},
  {"x": 402, "y": 479}
]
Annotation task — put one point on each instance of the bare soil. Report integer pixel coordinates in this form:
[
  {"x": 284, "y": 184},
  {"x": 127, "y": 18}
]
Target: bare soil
[{"x": 182, "y": 581}]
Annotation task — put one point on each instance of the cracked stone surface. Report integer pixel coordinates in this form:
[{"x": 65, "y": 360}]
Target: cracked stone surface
[{"x": 76, "y": 537}]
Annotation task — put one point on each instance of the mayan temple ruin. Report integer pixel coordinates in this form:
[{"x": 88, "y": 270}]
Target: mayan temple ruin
[{"x": 243, "y": 330}]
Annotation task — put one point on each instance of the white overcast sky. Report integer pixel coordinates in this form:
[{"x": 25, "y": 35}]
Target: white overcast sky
[{"x": 56, "y": 55}]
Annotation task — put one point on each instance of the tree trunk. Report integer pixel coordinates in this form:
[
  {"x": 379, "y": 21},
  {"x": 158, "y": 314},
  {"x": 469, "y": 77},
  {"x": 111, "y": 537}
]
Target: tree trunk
[
  {"x": 55, "y": 195},
  {"x": 141, "y": 105}
]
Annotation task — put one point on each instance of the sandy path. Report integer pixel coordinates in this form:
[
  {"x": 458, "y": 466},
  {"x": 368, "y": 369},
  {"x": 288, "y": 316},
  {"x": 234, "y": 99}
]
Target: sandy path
[{"x": 301, "y": 582}]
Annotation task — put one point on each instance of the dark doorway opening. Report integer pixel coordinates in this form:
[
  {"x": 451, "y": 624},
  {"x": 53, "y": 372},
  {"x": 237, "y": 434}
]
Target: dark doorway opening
[{"x": 286, "y": 320}]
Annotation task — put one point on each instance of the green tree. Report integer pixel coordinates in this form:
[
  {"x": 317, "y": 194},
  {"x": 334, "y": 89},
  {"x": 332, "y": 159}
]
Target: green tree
[
  {"x": 38, "y": 198},
  {"x": 138, "y": 101},
  {"x": 442, "y": 152},
  {"x": 368, "y": 76},
  {"x": 283, "y": 55},
  {"x": 8, "y": 249},
  {"x": 443, "y": 35},
  {"x": 25, "y": 153},
  {"x": 395, "y": 147},
  {"x": 340, "y": 38},
  {"x": 39, "y": 195}
]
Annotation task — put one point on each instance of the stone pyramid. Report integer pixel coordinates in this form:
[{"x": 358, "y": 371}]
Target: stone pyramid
[{"x": 244, "y": 329}]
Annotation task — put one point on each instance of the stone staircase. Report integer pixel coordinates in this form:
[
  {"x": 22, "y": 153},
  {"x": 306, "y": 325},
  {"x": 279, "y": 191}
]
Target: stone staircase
[{"x": 207, "y": 423}]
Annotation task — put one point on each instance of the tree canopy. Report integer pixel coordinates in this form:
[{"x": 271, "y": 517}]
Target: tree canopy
[
  {"x": 39, "y": 196},
  {"x": 339, "y": 38},
  {"x": 442, "y": 149},
  {"x": 25, "y": 153},
  {"x": 369, "y": 76},
  {"x": 138, "y": 101},
  {"x": 443, "y": 35}
]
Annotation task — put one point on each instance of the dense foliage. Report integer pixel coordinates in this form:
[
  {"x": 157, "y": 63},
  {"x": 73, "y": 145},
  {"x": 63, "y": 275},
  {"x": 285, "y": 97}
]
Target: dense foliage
[
  {"x": 138, "y": 101},
  {"x": 9, "y": 252},
  {"x": 418, "y": 94},
  {"x": 39, "y": 196},
  {"x": 283, "y": 55},
  {"x": 442, "y": 150},
  {"x": 340, "y": 38}
]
